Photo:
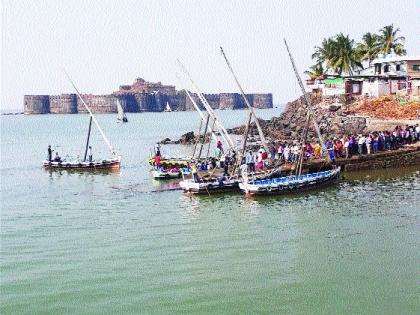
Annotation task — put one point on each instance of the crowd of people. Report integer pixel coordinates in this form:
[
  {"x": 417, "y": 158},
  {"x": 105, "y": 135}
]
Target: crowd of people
[
  {"x": 349, "y": 145},
  {"x": 344, "y": 147}
]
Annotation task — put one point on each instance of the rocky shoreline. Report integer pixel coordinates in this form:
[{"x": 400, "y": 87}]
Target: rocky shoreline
[{"x": 335, "y": 119}]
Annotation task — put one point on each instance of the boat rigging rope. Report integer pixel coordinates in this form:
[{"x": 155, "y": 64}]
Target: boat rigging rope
[{"x": 91, "y": 114}]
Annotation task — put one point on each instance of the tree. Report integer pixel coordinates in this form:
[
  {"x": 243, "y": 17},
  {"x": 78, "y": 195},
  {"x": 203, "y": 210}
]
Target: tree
[
  {"x": 345, "y": 57},
  {"x": 324, "y": 53},
  {"x": 315, "y": 71},
  {"x": 369, "y": 48},
  {"x": 390, "y": 42}
]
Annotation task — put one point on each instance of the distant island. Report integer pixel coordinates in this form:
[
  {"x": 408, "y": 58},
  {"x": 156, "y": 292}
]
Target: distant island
[{"x": 141, "y": 96}]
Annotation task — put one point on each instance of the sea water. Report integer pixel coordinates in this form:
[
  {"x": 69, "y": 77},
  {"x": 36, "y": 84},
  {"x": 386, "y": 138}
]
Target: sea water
[{"x": 123, "y": 243}]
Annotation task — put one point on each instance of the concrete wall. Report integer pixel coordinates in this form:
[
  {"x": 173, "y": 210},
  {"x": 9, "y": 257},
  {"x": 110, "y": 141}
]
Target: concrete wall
[{"x": 382, "y": 160}]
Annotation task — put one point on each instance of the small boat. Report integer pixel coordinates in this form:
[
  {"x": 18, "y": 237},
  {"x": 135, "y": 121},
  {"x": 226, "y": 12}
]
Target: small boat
[
  {"x": 112, "y": 163},
  {"x": 170, "y": 174},
  {"x": 83, "y": 165},
  {"x": 122, "y": 117},
  {"x": 290, "y": 184},
  {"x": 171, "y": 162},
  {"x": 218, "y": 185},
  {"x": 168, "y": 108}
]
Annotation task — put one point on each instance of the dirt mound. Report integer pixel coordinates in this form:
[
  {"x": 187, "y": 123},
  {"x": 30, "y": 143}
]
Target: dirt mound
[{"x": 388, "y": 107}]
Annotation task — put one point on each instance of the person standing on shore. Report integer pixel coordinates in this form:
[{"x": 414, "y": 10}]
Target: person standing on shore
[
  {"x": 361, "y": 142},
  {"x": 368, "y": 144},
  {"x": 346, "y": 147}
]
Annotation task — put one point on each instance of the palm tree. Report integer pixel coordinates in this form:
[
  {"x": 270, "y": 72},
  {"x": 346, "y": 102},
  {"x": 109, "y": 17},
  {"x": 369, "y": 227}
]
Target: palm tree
[
  {"x": 324, "y": 53},
  {"x": 345, "y": 57},
  {"x": 369, "y": 48},
  {"x": 390, "y": 42},
  {"x": 315, "y": 71}
]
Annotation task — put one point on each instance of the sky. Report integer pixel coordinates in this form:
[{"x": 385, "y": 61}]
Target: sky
[{"x": 104, "y": 44}]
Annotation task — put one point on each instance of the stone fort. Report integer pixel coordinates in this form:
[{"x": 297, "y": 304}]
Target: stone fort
[{"x": 141, "y": 96}]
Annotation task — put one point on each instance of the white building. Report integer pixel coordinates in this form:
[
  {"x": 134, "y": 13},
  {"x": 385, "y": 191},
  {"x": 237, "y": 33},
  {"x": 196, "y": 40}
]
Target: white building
[{"x": 391, "y": 75}]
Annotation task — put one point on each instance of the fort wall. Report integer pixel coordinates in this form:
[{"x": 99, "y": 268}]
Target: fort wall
[
  {"x": 63, "y": 104},
  {"x": 36, "y": 104},
  {"x": 141, "y": 96}
]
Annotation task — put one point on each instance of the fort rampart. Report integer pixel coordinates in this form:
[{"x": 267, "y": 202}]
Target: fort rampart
[{"x": 142, "y": 96}]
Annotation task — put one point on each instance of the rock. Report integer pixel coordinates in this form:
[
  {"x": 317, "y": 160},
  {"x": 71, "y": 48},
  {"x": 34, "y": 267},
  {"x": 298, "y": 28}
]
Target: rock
[
  {"x": 166, "y": 141},
  {"x": 334, "y": 108}
]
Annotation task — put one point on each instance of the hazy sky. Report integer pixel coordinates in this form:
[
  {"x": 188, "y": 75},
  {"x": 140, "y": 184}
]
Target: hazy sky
[{"x": 104, "y": 44}]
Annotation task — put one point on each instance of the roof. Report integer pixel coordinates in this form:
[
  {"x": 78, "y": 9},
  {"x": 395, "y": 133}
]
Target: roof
[{"x": 395, "y": 59}]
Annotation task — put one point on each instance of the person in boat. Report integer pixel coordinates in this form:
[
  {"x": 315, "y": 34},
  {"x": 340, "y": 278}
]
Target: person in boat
[
  {"x": 218, "y": 153},
  {"x": 213, "y": 163},
  {"x": 226, "y": 166},
  {"x": 57, "y": 158},
  {"x": 249, "y": 160},
  {"x": 157, "y": 149},
  {"x": 244, "y": 171},
  {"x": 260, "y": 160},
  {"x": 90, "y": 154},
  {"x": 220, "y": 146},
  {"x": 50, "y": 151},
  {"x": 157, "y": 160},
  {"x": 194, "y": 173}
]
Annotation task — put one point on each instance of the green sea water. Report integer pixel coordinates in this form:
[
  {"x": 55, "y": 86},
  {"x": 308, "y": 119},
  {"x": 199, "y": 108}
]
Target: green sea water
[{"x": 123, "y": 243}]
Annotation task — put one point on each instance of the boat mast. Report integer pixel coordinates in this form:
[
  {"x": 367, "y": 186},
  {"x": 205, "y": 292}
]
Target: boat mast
[
  {"x": 306, "y": 98},
  {"x": 197, "y": 108},
  {"x": 210, "y": 110},
  {"x": 88, "y": 137},
  {"x": 252, "y": 113},
  {"x": 91, "y": 115}
]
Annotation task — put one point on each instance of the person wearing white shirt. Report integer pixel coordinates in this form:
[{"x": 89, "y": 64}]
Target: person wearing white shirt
[{"x": 361, "y": 142}]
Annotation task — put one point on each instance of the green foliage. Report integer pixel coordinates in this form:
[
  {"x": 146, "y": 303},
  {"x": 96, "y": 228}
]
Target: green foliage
[
  {"x": 369, "y": 48},
  {"x": 390, "y": 42},
  {"x": 315, "y": 71}
]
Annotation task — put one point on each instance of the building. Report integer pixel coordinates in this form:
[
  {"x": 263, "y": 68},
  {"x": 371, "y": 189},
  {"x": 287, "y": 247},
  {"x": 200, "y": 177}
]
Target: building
[{"x": 385, "y": 76}]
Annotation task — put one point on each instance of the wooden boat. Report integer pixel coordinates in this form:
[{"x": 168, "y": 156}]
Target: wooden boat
[
  {"x": 83, "y": 165},
  {"x": 122, "y": 117},
  {"x": 219, "y": 185},
  {"x": 112, "y": 163},
  {"x": 290, "y": 184},
  {"x": 170, "y": 174},
  {"x": 171, "y": 162}
]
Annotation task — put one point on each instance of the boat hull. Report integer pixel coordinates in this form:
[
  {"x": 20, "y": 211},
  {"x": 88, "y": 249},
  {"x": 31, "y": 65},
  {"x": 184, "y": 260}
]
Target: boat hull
[
  {"x": 291, "y": 185},
  {"x": 109, "y": 164},
  {"x": 206, "y": 188}
]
